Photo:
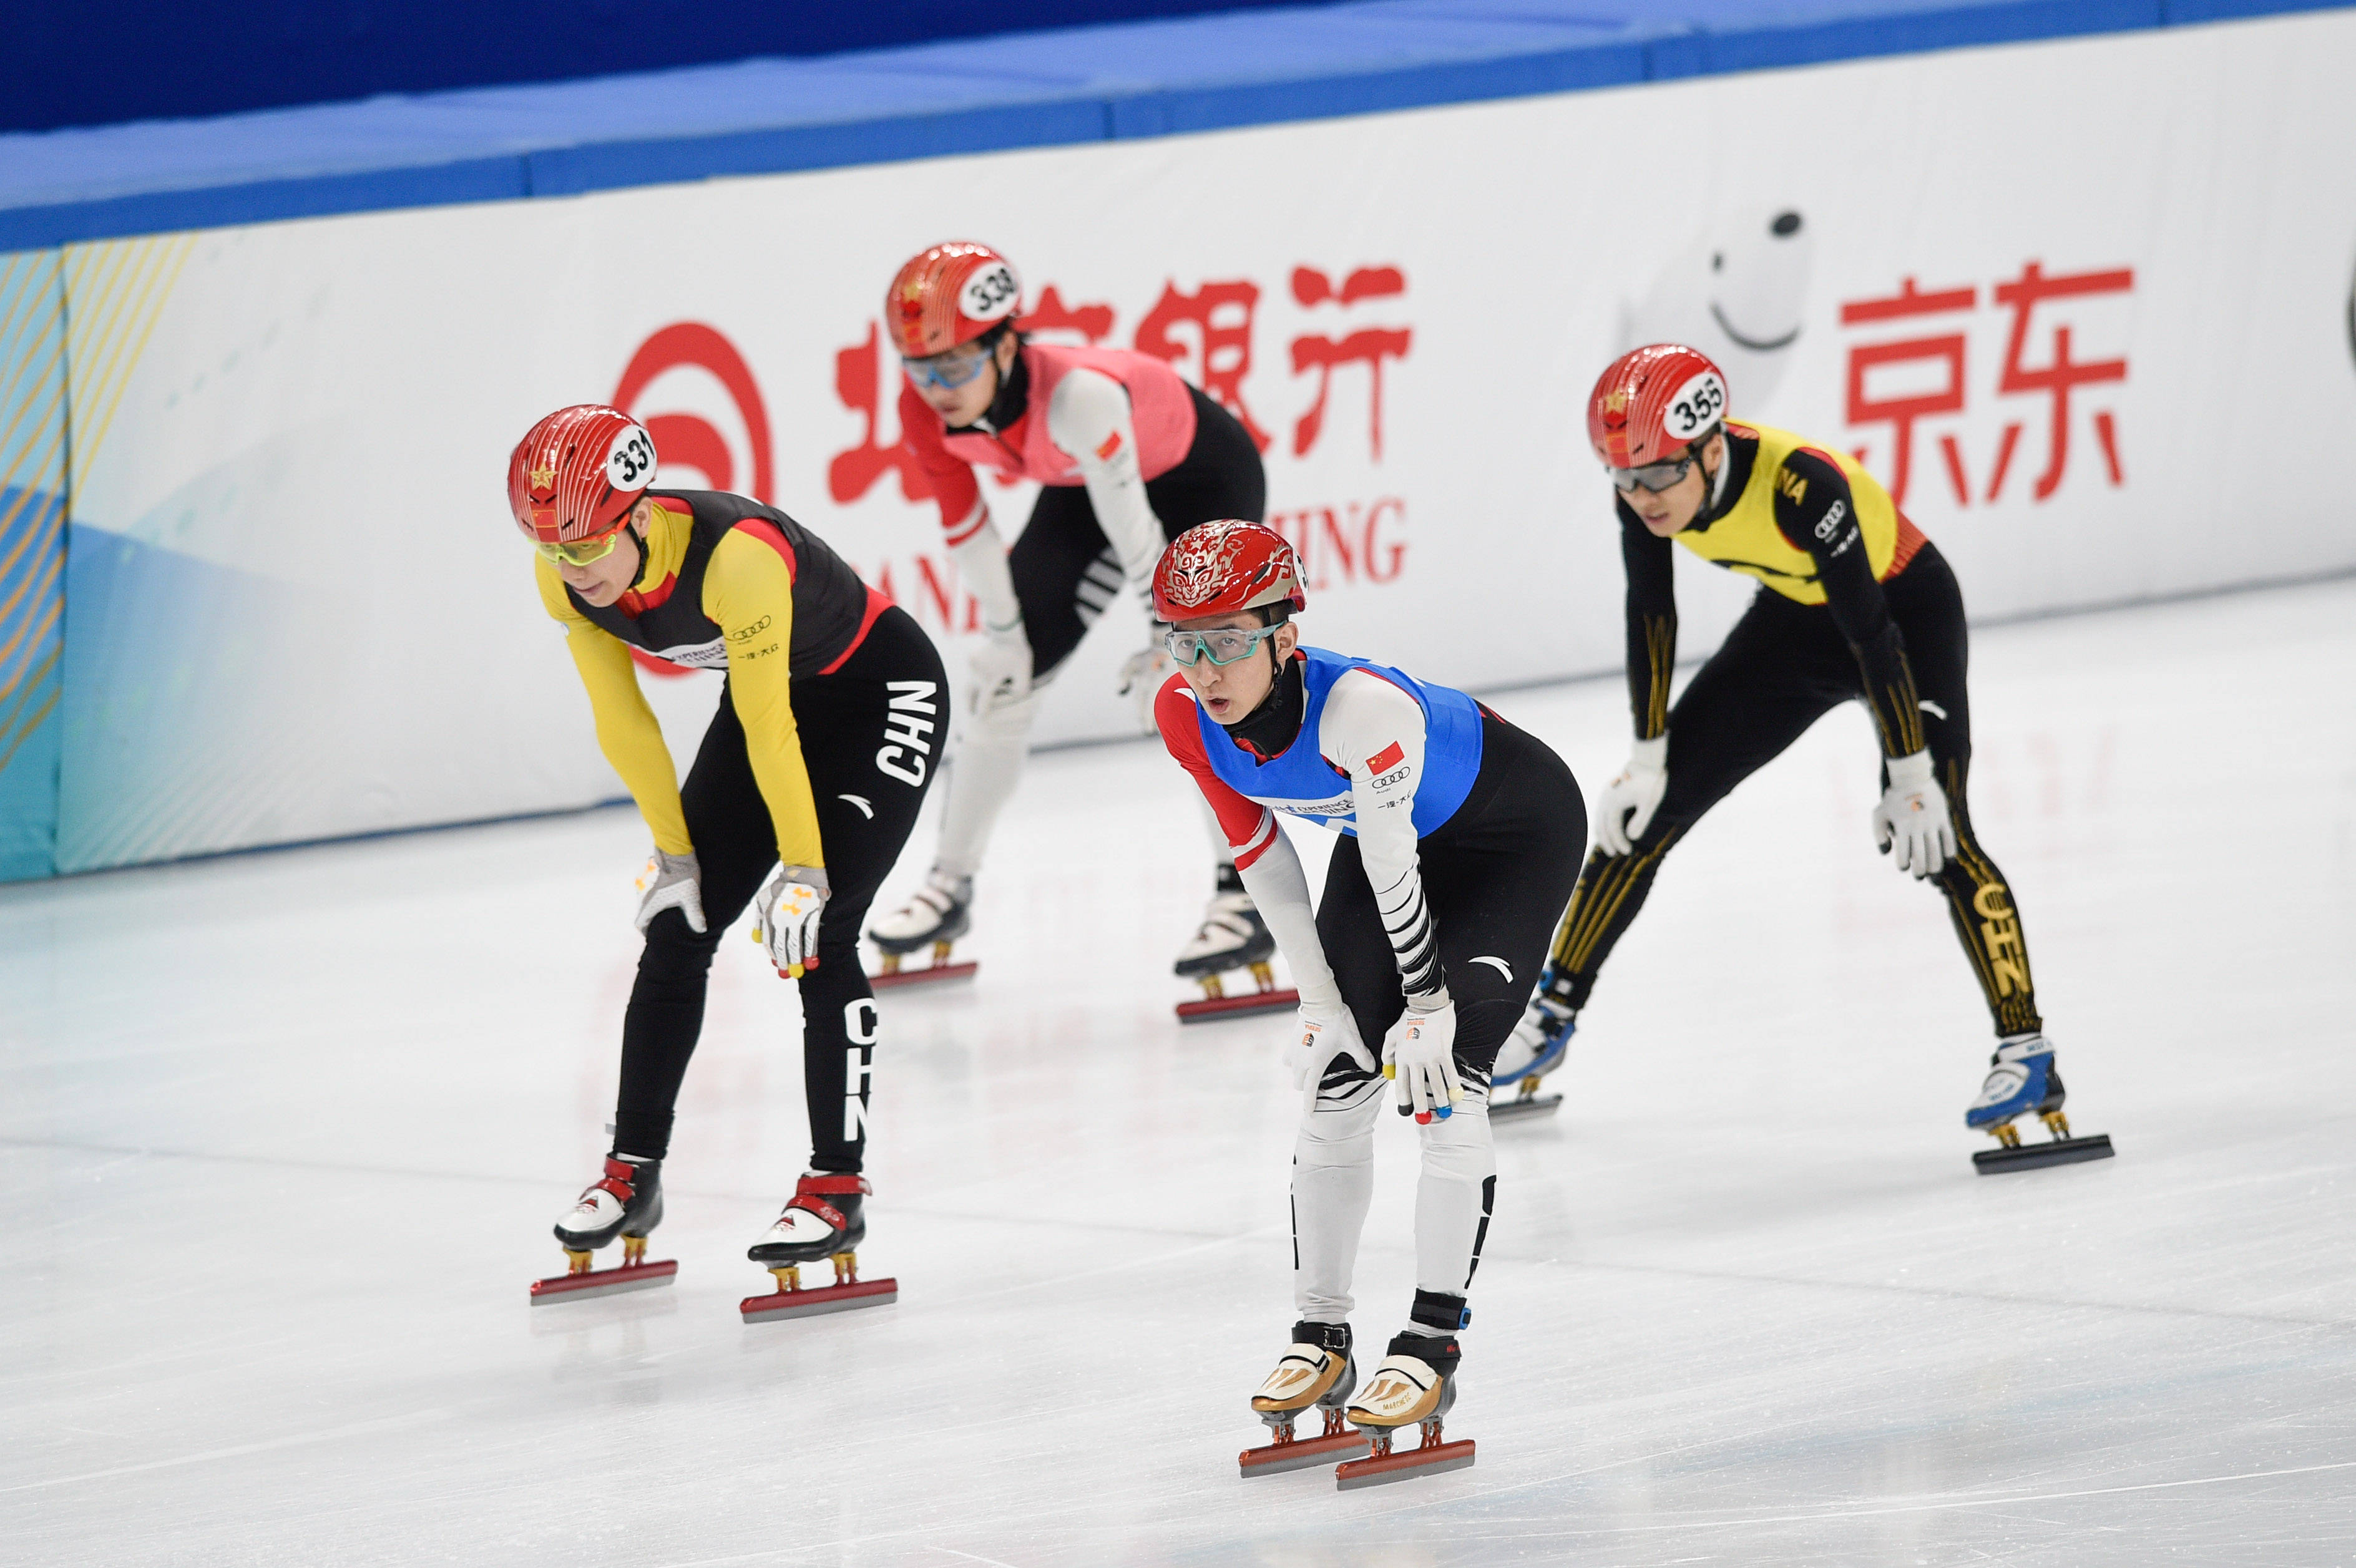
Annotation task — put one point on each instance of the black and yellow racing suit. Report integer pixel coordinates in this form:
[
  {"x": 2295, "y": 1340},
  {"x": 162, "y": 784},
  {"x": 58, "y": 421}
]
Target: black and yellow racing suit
[
  {"x": 819, "y": 754},
  {"x": 1859, "y": 605}
]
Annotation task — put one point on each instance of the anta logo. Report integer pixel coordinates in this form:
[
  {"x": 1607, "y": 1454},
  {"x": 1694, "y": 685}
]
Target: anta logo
[
  {"x": 1793, "y": 488},
  {"x": 911, "y": 717}
]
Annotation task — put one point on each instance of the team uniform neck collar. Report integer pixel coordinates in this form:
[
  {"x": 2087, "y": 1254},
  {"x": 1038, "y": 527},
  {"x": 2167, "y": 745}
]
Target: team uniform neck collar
[{"x": 1270, "y": 729}]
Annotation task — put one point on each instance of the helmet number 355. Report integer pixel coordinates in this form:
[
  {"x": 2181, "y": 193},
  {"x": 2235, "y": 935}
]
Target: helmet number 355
[
  {"x": 1698, "y": 405},
  {"x": 990, "y": 294},
  {"x": 630, "y": 461}
]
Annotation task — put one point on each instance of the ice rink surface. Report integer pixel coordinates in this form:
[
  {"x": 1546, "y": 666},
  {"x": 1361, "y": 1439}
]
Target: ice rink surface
[{"x": 283, "y": 1136}]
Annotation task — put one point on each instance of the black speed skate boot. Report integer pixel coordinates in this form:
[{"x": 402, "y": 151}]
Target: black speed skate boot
[
  {"x": 1232, "y": 936},
  {"x": 1315, "y": 1372},
  {"x": 825, "y": 1218},
  {"x": 626, "y": 1201}
]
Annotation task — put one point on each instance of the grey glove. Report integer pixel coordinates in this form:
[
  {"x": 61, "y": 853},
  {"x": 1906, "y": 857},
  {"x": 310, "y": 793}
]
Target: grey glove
[{"x": 672, "y": 881}]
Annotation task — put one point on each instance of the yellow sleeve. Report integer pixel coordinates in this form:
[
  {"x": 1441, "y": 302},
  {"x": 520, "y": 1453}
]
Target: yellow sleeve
[
  {"x": 627, "y": 731},
  {"x": 749, "y": 590}
]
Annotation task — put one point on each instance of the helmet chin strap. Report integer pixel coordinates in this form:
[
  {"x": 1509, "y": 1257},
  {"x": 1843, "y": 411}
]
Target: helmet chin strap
[
  {"x": 1725, "y": 467},
  {"x": 639, "y": 541}
]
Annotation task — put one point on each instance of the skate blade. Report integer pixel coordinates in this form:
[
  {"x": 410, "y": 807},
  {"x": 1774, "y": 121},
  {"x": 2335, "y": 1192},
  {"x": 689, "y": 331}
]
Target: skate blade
[
  {"x": 1402, "y": 1464},
  {"x": 2030, "y": 1157},
  {"x": 819, "y": 1301},
  {"x": 1202, "y": 1007},
  {"x": 1303, "y": 1454},
  {"x": 932, "y": 974},
  {"x": 603, "y": 1282},
  {"x": 1535, "y": 1108}
]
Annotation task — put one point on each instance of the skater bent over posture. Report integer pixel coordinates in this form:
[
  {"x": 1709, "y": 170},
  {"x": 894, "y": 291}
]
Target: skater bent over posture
[
  {"x": 1857, "y": 603},
  {"x": 1127, "y": 455},
  {"x": 1460, "y": 841},
  {"x": 815, "y": 765}
]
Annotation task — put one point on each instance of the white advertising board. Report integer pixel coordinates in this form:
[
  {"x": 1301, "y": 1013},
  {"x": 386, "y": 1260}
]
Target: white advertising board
[{"x": 2056, "y": 292}]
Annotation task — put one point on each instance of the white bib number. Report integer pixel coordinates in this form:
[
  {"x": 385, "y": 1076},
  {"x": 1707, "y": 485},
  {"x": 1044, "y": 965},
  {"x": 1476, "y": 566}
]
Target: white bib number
[
  {"x": 1698, "y": 405},
  {"x": 989, "y": 294},
  {"x": 630, "y": 461}
]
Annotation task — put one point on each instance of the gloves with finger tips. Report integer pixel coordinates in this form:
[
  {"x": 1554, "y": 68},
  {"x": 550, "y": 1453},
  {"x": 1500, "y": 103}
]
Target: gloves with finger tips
[
  {"x": 1419, "y": 1054},
  {"x": 1001, "y": 668},
  {"x": 1320, "y": 1034},
  {"x": 1630, "y": 800},
  {"x": 672, "y": 881},
  {"x": 1911, "y": 824},
  {"x": 787, "y": 924},
  {"x": 1141, "y": 677}
]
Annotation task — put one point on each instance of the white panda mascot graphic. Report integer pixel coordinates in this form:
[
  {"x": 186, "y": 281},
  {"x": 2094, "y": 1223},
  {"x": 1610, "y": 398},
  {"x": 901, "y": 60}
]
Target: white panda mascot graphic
[{"x": 1737, "y": 294}]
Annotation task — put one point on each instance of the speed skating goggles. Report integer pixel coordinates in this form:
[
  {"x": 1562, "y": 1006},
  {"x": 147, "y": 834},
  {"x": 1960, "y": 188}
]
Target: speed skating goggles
[
  {"x": 953, "y": 369},
  {"x": 1224, "y": 645},
  {"x": 1653, "y": 476},
  {"x": 578, "y": 552}
]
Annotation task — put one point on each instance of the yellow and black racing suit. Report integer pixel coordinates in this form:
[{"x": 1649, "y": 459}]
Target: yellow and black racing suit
[
  {"x": 820, "y": 752},
  {"x": 1858, "y": 604}
]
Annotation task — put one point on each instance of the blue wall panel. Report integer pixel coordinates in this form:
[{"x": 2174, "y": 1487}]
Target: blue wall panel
[{"x": 32, "y": 559}]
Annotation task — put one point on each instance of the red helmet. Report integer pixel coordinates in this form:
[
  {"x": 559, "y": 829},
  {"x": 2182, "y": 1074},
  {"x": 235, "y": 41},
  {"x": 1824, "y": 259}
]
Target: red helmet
[
  {"x": 576, "y": 473},
  {"x": 1653, "y": 402},
  {"x": 949, "y": 294},
  {"x": 1217, "y": 569}
]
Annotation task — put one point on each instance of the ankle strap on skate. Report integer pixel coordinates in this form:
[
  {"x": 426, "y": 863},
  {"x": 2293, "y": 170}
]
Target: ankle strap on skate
[
  {"x": 620, "y": 1179},
  {"x": 808, "y": 1196}
]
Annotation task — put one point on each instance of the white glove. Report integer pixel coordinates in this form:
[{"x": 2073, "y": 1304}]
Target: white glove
[
  {"x": 1630, "y": 800},
  {"x": 1319, "y": 1035},
  {"x": 1419, "y": 1054},
  {"x": 1142, "y": 678},
  {"x": 788, "y": 922},
  {"x": 672, "y": 881},
  {"x": 1912, "y": 824},
  {"x": 1001, "y": 669}
]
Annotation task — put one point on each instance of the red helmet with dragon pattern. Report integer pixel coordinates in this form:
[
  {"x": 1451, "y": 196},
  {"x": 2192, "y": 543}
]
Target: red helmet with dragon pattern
[{"x": 1220, "y": 567}]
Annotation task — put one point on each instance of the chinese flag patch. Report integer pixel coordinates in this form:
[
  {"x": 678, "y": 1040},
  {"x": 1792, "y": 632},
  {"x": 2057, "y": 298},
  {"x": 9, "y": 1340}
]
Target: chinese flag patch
[
  {"x": 1111, "y": 444},
  {"x": 1387, "y": 759}
]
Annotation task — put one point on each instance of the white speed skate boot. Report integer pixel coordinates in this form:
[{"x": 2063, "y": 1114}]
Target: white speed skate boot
[
  {"x": 1232, "y": 936},
  {"x": 935, "y": 916},
  {"x": 1315, "y": 1372},
  {"x": 2022, "y": 1078},
  {"x": 1415, "y": 1386}
]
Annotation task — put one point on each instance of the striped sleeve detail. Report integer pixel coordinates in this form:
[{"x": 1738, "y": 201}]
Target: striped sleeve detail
[
  {"x": 1248, "y": 855},
  {"x": 1414, "y": 942},
  {"x": 969, "y": 525}
]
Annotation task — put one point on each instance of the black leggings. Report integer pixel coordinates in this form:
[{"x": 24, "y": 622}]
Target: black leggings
[
  {"x": 871, "y": 751},
  {"x": 1066, "y": 571},
  {"x": 1782, "y": 668},
  {"x": 1496, "y": 875}
]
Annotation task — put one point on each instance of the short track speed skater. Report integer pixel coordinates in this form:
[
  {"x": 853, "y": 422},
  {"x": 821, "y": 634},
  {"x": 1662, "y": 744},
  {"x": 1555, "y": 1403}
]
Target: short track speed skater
[
  {"x": 825, "y": 1218},
  {"x": 626, "y": 1201},
  {"x": 2022, "y": 1078}
]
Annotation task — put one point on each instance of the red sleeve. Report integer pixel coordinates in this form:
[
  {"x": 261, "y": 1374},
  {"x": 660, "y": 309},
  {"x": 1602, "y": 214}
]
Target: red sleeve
[
  {"x": 951, "y": 478},
  {"x": 1250, "y": 827}
]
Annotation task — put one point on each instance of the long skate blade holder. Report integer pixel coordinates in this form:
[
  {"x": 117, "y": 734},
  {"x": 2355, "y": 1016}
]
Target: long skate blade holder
[
  {"x": 889, "y": 974},
  {"x": 1215, "y": 1002},
  {"x": 2011, "y": 1157},
  {"x": 590, "y": 1284},
  {"x": 848, "y": 1293},
  {"x": 1338, "y": 1441},
  {"x": 1387, "y": 1465}
]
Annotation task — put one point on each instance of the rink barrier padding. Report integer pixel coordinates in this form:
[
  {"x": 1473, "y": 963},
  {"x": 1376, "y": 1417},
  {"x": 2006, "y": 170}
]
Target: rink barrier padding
[{"x": 1035, "y": 90}]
